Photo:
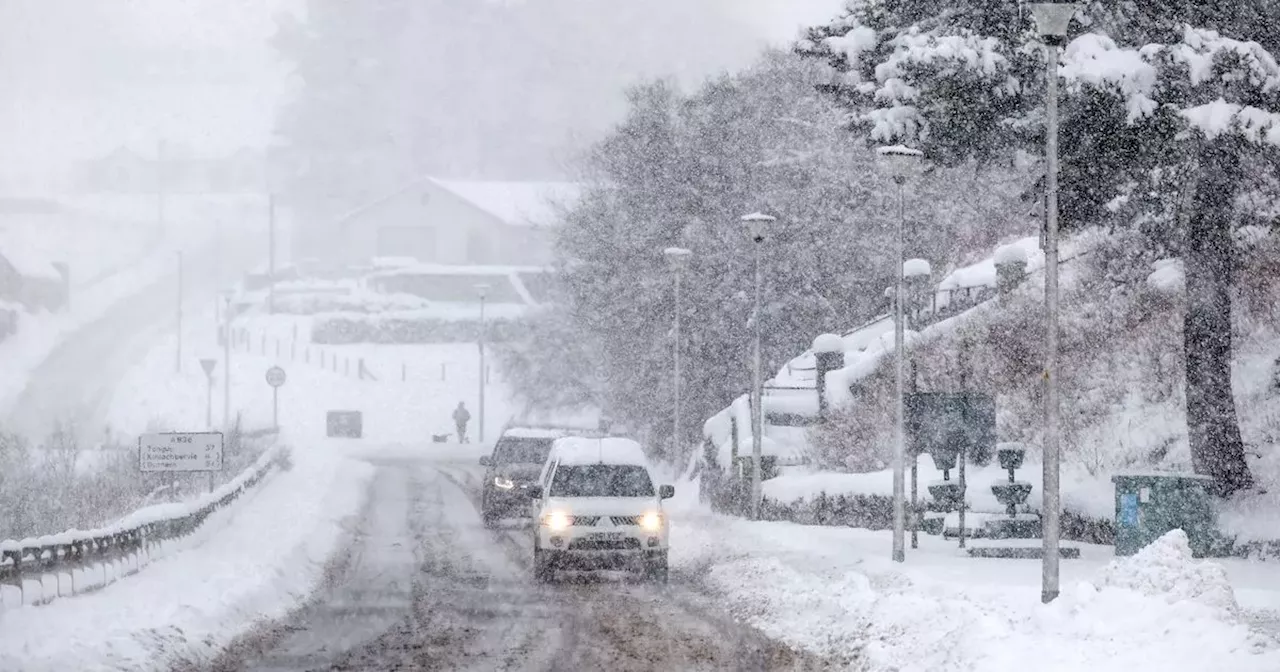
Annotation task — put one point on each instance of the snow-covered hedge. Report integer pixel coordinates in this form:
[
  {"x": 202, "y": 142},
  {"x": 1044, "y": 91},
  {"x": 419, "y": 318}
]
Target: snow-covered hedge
[{"x": 355, "y": 302}]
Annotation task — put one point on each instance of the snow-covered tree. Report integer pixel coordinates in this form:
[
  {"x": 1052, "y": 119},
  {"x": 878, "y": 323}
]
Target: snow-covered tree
[
  {"x": 1161, "y": 112},
  {"x": 681, "y": 170}
]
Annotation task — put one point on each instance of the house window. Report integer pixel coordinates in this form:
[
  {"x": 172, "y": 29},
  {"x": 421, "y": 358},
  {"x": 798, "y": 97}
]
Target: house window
[{"x": 418, "y": 242}]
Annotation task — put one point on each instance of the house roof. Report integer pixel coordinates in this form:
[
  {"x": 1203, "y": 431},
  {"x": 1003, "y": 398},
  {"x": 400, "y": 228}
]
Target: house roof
[{"x": 513, "y": 203}]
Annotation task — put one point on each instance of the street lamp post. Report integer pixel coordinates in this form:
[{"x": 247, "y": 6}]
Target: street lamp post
[
  {"x": 900, "y": 163},
  {"x": 177, "y": 362},
  {"x": 483, "y": 291},
  {"x": 757, "y": 223},
  {"x": 678, "y": 259},
  {"x": 1052, "y": 21}
]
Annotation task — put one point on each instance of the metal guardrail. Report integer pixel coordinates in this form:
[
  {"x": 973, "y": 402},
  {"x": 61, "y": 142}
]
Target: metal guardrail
[{"x": 119, "y": 550}]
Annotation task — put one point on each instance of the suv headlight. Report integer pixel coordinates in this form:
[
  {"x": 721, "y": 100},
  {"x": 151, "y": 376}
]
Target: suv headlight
[
  {"x": 558, "y": 521},
  {"x": 651, "y": 521},
  {"x": 503, "y": 483}
]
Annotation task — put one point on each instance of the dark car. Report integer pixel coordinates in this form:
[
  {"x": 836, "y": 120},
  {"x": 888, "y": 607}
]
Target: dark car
[{"x": 515, "y": 464}]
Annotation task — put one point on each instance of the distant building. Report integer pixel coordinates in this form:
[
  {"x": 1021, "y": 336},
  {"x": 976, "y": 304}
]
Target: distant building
[
  {"x": 127, "y": 172},
  {"x": 449, "y": 222}
]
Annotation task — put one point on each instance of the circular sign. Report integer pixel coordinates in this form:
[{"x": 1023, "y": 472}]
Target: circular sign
[{"x": 275, "y": 376}]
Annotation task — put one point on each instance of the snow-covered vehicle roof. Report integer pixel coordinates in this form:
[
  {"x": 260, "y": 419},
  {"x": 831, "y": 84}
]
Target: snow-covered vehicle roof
[
  {"x": 610, "y": 450},
  {"x": 536, "y": 432}
]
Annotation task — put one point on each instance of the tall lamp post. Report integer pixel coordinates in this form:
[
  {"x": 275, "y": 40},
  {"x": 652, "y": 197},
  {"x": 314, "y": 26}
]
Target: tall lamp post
[
  {"x": 1052, "y": 21},
  {"x": 757, "y": 223},
  {"x": 678, "y": 260},
  {"x": 900, "y": 163},
  {"x": 483, "y": 291}
]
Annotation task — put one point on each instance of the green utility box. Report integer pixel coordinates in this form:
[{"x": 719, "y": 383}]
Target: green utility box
[{"x": 1149, "y": 505}]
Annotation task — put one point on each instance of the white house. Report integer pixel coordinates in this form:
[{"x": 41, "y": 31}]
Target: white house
[{"x": 450, "y": 222}]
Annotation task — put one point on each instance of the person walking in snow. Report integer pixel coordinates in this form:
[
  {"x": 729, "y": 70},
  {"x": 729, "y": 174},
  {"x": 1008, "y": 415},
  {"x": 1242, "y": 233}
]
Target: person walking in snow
[{"x": 461, "y": 416}]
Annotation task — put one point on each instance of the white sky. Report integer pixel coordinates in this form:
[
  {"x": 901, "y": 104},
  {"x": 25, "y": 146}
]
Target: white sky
[{"x": 84, "y": 76}]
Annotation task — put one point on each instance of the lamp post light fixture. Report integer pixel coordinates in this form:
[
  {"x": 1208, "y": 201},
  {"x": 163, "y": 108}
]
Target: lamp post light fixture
[
  {"x": 483, "y": 291},
  {"x": 757, "y": 225},
  {"x": 1052, "y": 19},
  {"x": 678, "y": 259},
  {"x": 900, "y": 163}
]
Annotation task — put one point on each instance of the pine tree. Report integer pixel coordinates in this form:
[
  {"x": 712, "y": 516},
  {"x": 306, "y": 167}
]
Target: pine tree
[{"x": 1151, "y": 106}]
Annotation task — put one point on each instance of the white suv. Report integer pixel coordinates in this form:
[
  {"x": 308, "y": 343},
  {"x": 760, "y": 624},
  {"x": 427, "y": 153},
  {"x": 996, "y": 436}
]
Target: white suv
[{"x": 596, "y": 507}]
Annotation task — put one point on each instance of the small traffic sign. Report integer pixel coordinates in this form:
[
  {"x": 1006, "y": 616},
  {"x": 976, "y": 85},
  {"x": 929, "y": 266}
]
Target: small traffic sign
[
  {"x": 208, "y": 365},
  {"x": 275, "y": 376}
]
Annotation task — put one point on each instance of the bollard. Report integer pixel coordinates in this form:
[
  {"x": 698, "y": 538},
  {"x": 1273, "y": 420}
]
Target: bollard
[
  {"x": 404, "y": 372},
  {"x": 277, "y": 348},
  {"x": 442, "y": 375}
]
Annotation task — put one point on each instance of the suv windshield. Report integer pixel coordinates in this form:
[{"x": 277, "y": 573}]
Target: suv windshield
[
  {"x": 521, "y": 450},
  {"x": 602, "y": 480}
]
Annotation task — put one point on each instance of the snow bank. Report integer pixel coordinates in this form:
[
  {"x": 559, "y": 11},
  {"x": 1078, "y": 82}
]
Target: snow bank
[
  {"x": 1165, "y": 570},
  {"x": 834, "y": 592},
  {"x": 257, "y": 559}
]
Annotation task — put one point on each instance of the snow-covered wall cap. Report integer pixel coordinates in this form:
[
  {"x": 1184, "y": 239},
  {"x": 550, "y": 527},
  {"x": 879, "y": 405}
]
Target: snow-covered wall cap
[
  {"x": 1010, "y": 254},
  {"x": 913, "y": 268},
  {"x": 899, "y": 150},
  {"x": 828, "y": 343}
]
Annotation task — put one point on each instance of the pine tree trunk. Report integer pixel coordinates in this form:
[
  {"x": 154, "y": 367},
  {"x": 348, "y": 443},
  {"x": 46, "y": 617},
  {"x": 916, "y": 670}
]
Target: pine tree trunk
[{"x": 1217, "y": 449}]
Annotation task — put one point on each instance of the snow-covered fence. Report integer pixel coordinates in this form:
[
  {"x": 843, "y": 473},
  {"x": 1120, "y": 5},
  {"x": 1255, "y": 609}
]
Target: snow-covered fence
[
  {"x": 260, "y": 342},
  {"x": 90, "y": 559}
]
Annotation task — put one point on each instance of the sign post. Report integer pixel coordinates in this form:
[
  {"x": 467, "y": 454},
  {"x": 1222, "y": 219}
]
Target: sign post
[
  {"x": 275, "y": 378},
  {"x": 188, "y": 452},
  {"x": 208, "y": 365}
]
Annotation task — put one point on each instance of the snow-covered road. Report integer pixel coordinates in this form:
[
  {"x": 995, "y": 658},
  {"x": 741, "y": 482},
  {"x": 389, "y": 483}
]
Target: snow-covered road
[{"x": 426, "y": 586}]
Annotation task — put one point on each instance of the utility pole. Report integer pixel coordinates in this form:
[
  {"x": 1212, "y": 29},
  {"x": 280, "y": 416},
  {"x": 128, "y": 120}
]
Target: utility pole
[
  {"x": 160, "y": 185},
  {"x": 226, "y": 358},
  {"x": 271, "y": 253},
  {"x": 177, "y": 364},
  {"x": 483, "y": 290}
]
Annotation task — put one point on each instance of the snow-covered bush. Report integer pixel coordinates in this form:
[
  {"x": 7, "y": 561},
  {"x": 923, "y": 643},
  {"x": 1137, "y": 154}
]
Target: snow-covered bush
[{"x": 49, "y": 488}]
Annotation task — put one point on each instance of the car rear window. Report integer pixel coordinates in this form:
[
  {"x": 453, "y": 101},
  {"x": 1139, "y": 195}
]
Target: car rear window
[
  {"x": 522, "y": 450},
  {"x": 601, "y": 480}
]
